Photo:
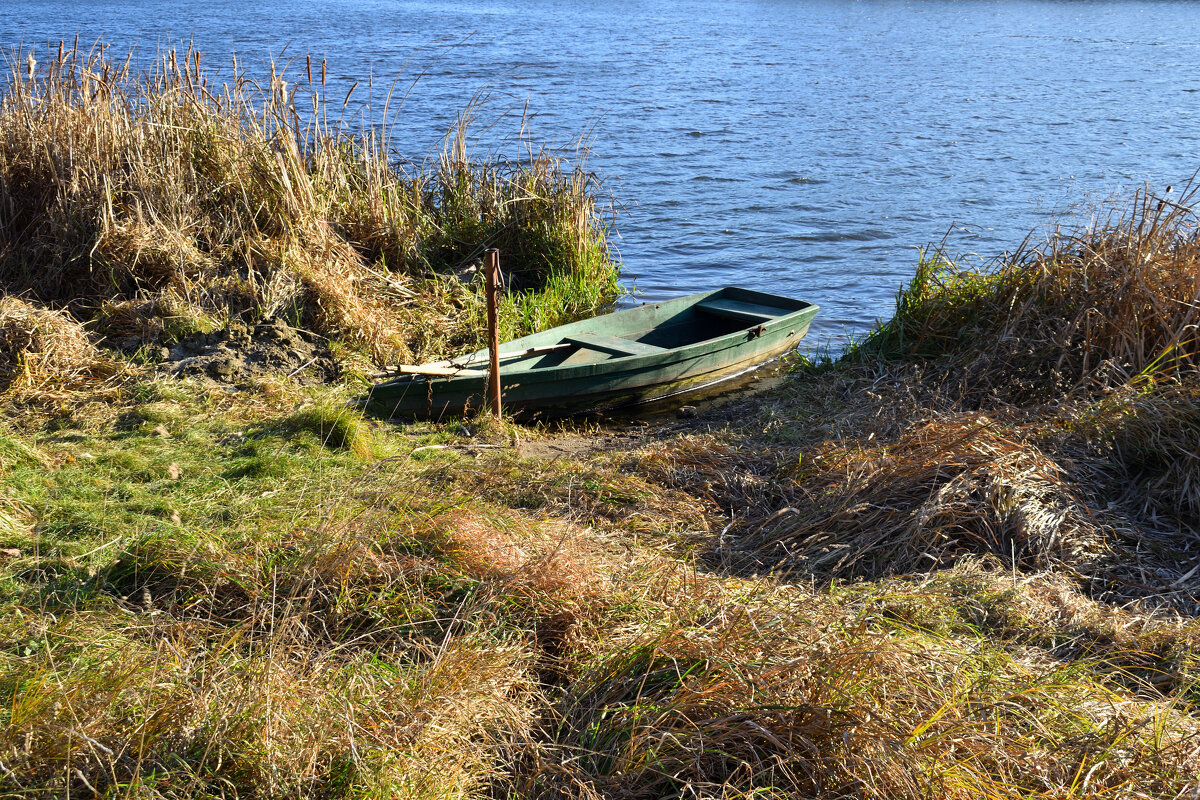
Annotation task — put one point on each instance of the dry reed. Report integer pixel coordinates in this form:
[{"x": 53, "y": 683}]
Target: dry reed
[
  {"x": 134, "y": 194},
  {"x": 1088, "y": 310}
]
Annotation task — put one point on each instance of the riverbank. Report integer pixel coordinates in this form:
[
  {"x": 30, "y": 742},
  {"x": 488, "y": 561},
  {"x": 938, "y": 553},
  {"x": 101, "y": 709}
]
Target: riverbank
[
  {"x": 959, "y": 560},
  {"x": 902, "y": 574}
]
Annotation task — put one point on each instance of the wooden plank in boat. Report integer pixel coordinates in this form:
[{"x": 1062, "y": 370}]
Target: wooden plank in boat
[{"x": 613, "y": 344}]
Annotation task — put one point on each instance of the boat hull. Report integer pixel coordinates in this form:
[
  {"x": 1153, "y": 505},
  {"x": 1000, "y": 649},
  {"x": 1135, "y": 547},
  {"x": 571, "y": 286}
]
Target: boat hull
[{"x": 672, "y": 353}]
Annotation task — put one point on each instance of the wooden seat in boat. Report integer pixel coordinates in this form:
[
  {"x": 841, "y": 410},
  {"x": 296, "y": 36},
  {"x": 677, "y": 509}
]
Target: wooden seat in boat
[{"x": 613, "y": 344}]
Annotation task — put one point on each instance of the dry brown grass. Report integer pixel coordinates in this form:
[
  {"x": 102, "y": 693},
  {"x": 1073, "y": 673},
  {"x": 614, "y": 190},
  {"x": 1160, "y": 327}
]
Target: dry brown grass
[
  {"x": 950, "y": 488},
  {"x": 175, "y": 199},
  {"x": 779, "y": 693},
  {"x": 1154, "y": 432},
  {"x": 1087, "y": 310},
  {"x": 160, "y": 705},
  {"x": 326, "y": 661},
  {"x": 885, "y": 485},
  {"x": 45, "y": 354},
  {"x": 419, "y": 627},
  {"x": 558, "y": 565}
]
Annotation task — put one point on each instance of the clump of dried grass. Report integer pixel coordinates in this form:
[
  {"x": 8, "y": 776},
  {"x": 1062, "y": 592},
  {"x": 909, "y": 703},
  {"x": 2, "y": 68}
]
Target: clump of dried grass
[
  {"x": 954, "y": 487},
  {"x": 1153, "y": 430},
  {"x": 166, "y": 317},
  {"x": 17, "y": 521},
  {"x": 1045, "y": 618},
  {"x": 337, "y": 427},
  {"x": 730, "y": 478},
  {"x": 186, "y": 710},
  {"x": 236, "y": 199},
  {"x": 343, "y": 659},
  {"x": 44, "y": 353},
  {"x": 555, "y": 564}
]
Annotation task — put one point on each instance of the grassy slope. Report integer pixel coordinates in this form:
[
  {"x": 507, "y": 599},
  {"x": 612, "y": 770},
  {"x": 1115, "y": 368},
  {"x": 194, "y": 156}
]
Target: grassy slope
[
  {"x": 203, "y": 598},
  {"x": 957, "y": 574},
  {"x": 957, "y": 563}
]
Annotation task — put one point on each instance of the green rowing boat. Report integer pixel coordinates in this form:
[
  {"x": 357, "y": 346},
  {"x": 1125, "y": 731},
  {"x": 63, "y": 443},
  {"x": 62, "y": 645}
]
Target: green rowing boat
[{"x": 629, "y": 357}]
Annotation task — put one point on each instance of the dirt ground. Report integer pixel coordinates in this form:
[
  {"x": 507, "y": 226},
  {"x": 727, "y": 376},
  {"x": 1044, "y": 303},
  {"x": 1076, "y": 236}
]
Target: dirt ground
[{"x": 239, "y": 353}]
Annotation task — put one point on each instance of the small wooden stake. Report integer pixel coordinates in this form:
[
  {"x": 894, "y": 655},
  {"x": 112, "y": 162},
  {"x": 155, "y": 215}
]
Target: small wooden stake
[{"x": 492, "y": 271}]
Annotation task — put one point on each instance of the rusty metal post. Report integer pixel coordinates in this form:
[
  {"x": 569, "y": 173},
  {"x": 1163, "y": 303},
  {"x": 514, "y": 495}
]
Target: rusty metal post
[{"x": 491, "y": 268}]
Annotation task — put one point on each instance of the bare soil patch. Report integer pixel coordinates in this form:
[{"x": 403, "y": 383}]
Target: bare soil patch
[{"x": 239, "y": 353}]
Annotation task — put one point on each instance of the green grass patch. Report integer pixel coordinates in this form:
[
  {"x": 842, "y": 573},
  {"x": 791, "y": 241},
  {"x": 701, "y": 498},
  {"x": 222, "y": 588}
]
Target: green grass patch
[{"x": 339, "y": 428}]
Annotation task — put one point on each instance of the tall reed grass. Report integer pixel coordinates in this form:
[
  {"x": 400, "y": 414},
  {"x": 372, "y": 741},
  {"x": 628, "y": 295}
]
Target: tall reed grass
[
  {"x": 159, "y": 201},
  {"x": 1096, "y": 330},
  {"x": 1087, "y": 310}
]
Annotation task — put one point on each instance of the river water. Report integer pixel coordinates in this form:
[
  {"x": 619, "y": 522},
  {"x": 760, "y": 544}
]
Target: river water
[{"x": 806, "y": 147}]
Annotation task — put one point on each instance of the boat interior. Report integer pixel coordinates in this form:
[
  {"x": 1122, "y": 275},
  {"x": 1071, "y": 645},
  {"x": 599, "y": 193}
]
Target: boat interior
[{"x": 663, "y": 327}]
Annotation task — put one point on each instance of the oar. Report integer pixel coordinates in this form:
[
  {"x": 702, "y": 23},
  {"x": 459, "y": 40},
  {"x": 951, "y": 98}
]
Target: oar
[{"x": 419, "y": 369}]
